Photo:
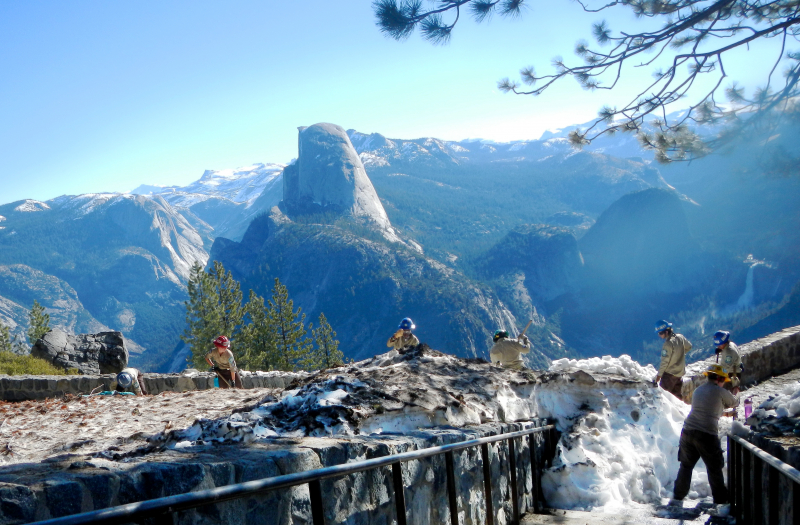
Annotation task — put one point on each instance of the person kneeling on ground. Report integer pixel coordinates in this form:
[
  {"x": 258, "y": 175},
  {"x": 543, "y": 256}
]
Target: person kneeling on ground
[
  {"x": 222, "y": 362},
  {"x": 130, "y": 380},
  {"x": 673, "y": 359},
  {"x": 700, "y": 436},
  {"x": 507, "y": 352},
  {"x": 403, "y": 338}
]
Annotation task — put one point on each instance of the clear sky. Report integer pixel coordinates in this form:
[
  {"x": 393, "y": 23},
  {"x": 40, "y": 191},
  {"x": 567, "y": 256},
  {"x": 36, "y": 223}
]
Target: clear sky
[{"x": 102, "y": 96}]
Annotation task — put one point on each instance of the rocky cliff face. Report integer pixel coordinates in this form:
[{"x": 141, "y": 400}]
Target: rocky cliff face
[
  {"x": 123, "y": 259},
  {"x": 21, "y": 285},
  {"x": 329, "y": 178},
  {"x": 365, "y": 286}
]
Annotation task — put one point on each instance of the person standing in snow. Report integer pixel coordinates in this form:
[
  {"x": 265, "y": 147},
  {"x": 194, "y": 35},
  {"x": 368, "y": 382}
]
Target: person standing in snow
[
  {"x": 222, "y": 362},
  {"x": 130, "y": 380},
  {"x": 700, "y": 436},
  {"x": 728, "y": 358},
  {"x": 507, "y": 352},
  {"x": 403, "y": 338},
  {"x": 673, "y": 359}
]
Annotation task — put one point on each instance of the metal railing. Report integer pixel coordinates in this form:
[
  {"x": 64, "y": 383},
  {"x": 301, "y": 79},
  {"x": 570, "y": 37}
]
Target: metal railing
[
  {"x": 746, "y": 467},
  {"x": 171, "y": 504}
]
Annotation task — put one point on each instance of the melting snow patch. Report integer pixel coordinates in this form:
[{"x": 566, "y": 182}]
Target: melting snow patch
[{"x": 623, "y": 365}]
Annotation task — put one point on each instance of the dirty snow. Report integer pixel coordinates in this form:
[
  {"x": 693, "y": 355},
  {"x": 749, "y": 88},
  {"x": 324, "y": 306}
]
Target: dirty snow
[{"x": 618, "y": 446}]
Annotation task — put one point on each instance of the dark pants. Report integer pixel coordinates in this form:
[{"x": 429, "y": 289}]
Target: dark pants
[
  {"x": 672, "y": 384},
  {"x": 226, "y": 375},
  {"x": 696, "y": 444}
]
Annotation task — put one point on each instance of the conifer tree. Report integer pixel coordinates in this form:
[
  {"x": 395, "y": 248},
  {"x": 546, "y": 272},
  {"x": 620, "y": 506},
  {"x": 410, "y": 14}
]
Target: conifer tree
[
  {"x": 326, "y": 352},
  {"x": 39, "y": 323},
  {"x": 291, "y": 344},
  {"x": 214, "y": 308},
  {"x": 6, "y": 342},
  {"x": 257, "y": 338}
]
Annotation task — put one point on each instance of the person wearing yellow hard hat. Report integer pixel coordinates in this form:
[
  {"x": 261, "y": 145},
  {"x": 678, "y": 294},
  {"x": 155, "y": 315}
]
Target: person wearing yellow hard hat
[{"x": 700, "y": 436}]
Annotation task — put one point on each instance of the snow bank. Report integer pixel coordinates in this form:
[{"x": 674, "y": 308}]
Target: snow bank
[
  {"x": 620, "y": 436},
  {"x": 785, "y": 404},
  {"x": 622, "y": 365}
]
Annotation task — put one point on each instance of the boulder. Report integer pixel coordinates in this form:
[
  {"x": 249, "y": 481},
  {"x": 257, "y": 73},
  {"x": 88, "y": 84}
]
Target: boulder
[{"x": 91, "y": 354}]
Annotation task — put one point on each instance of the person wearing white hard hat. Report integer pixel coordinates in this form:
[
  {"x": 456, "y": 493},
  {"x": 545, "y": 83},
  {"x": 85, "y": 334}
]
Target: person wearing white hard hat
[{"x": 130, "y": 380}]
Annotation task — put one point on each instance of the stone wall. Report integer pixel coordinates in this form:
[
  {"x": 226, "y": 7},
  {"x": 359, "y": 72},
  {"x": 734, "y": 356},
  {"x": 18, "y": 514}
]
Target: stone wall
[
  {"x": 762, "y": 359},
  {"x": 21, "y": 388},
  {"x": 75, "y": 484}
]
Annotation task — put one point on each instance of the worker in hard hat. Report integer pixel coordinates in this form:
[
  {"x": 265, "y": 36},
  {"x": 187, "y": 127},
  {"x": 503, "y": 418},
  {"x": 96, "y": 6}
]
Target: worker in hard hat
[
  {"x": 403, "y": 338},
  {"x": 700, "y": 436},
  {"x": 508, "y": 352}
]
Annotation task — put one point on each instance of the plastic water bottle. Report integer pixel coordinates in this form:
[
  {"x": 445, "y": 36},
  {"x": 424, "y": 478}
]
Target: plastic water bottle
[
  {"x": 748, "y": 407},
  {"x": 216, "y": 383}
]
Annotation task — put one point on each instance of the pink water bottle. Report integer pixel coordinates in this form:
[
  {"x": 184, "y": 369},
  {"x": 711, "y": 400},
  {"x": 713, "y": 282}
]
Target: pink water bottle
[{"x": 748, "y": 407}]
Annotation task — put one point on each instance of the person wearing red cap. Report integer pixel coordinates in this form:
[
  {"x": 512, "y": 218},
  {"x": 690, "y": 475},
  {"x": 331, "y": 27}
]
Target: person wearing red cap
[{"x": 222, "y": 362}]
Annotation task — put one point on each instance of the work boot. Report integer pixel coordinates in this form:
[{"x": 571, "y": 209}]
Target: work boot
[{"x": 675, "y": 502}]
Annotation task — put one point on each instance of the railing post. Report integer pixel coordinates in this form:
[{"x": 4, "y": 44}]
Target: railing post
[
  {"x": 758, "y": 492},
  {"x": 534, "y": 472},
  {"x": 315, "y": 492},
  {"x": 773, "y": 500},
  {"x": 738, "y": 452},
  {"x": 512, "y": 464},
  {"x": 795, "y": 504},
  {"x": 731, "y": 478},
  {"x": 451, "y": 487},
  {"x": 399, "y": 493},
  {"x": 747, "y": 489},
  {"x": 487, "y": 483}
]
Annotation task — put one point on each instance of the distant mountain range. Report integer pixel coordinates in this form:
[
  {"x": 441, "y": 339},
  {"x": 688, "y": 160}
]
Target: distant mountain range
[{"x": 593, "y": 245}]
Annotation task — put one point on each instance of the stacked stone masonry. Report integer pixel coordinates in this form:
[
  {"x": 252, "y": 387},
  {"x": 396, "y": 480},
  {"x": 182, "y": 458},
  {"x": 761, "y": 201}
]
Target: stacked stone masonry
[
  {"x": 762, "y": 358},
  {"x": 78, "y": 484},
  {"x": 22, "y": 388}
]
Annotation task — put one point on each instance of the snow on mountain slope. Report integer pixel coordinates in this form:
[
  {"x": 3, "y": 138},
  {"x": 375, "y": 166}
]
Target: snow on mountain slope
[
  {"x": 240, "y": 185},
  {"x": 227, "y": 200}
]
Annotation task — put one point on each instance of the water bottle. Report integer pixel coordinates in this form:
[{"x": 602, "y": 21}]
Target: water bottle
[
  {"x": 216, "y": 382},
  {"x": 748, "y": 407}
]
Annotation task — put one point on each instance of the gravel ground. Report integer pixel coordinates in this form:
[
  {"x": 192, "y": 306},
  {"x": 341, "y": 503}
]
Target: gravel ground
[{"x": 32, "y": 431}]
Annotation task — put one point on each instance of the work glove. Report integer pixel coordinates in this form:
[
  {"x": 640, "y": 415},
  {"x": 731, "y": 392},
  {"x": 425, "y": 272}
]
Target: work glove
[
  {"x": 524, "y": 339},
  {"x": 398, "y": 334}
]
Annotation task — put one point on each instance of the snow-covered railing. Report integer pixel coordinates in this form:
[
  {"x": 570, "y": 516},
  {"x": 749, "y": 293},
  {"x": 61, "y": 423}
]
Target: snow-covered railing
[
  {"x": 747, "y": 465},
  {"x": 181, "y": 502}
]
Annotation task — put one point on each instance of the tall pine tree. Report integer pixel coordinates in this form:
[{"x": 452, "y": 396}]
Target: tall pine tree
[
  {"x": 6, "y": 341},
  {"x": 326, "y": 353},
  {"x": 257, "y": 338},
  {"x": 289, "y": 327},
  {"x": 214, "y": 308},
  {"x": 39, "y": 323}
]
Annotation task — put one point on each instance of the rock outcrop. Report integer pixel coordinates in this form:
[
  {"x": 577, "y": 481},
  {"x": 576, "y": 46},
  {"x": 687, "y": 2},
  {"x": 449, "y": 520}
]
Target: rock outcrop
[
  {"x": 329, "y": 178},
  {"x": 364, "y": 286},
  {"x": 91, "y": 354}
]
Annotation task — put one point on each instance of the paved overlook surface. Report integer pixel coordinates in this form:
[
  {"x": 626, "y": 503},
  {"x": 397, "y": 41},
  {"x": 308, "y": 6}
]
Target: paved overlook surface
[{"x": 619, "y": 433}]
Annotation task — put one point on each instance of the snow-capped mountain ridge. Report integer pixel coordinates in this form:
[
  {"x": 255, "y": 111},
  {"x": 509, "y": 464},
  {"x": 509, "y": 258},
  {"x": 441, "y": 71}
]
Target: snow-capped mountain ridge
[{"x": 239, "y": 185}]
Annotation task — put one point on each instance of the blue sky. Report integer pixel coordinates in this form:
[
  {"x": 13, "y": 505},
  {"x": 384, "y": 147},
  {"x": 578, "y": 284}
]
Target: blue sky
[{"x": 104, "y": 96}]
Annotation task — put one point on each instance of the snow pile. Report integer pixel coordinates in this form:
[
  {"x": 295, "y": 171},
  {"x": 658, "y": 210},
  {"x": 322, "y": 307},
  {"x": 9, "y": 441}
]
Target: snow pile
[
  {"x": 620, "y": 438},
  {"x": 395, "y": 392},
  {"x": 623, "y": 365},
  {"x": 780, "y": 414}
]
